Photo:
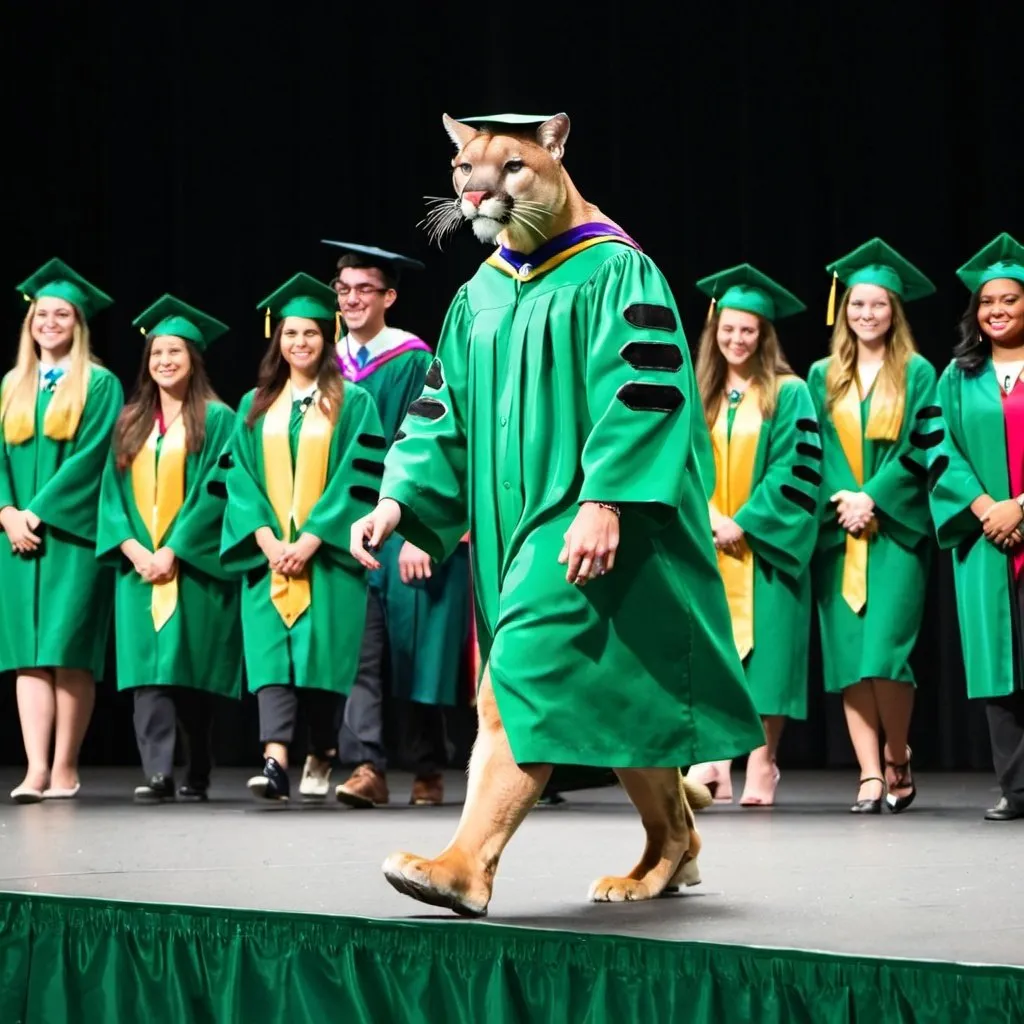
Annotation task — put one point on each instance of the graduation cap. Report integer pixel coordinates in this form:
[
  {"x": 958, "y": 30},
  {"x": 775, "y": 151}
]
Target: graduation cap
[
  {"x": 1003, "y": 257},
  {"x": 301, "y": 295},
  {"x": 744, "y": 287},
  {"x": 876, "y": 262},
  {"x": 56, "y": 280},
  {"x": 393, "y": 262},
  {"x": 169, "y": 315}
]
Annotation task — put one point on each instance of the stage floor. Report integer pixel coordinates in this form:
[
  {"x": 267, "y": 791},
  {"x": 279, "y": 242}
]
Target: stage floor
[{"x": 937, "y": 882}]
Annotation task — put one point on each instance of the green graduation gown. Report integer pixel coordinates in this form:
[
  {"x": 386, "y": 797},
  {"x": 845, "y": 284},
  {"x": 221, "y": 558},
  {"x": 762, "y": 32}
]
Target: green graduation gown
[
  {"x": 55, "y": 606},
  {"x": 779, "y": 520},
  {"x": 321, "y": 650},
  {"x": 876, "y": 642},
  {"x": 969, "y": 460},
  {"x": 574, "y": 385},
  {"x": 200, "y": 646},
  {"x": 427, "y": 620}
]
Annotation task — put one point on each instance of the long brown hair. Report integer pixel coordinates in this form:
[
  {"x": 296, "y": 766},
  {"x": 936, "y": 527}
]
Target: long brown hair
[
  {"x": 274, "y": 374},
  {"x": 135, "y": 423},
  {"x": 769, "y": 362},
  {"x": 891, "y": 385},
  {"x": 18, "y": 403}
]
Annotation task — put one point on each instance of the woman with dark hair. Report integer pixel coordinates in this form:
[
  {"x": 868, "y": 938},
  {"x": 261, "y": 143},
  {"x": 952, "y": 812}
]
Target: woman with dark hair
[
  {"x": 307, "y": 465},
  {"x": 764, "y": 509},
  {"x": 977, "y": 501},
  {"x": 178, "y": 630},
  {"x": 875, "y": 398},
  {"x": 57, "y": 410}
]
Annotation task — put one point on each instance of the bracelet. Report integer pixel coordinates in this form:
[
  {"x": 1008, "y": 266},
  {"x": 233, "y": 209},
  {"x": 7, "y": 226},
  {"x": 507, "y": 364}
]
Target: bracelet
[{"x": 610, "y": 508}]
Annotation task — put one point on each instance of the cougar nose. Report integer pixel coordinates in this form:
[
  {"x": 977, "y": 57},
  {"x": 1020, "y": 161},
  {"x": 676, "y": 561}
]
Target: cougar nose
[{"x": 476, "y": 198}]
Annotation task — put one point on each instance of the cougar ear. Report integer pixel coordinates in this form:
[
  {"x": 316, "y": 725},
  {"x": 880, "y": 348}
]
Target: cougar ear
[
  {"x": 461, "y": 134},
  {"x": 552, "y": 135}
]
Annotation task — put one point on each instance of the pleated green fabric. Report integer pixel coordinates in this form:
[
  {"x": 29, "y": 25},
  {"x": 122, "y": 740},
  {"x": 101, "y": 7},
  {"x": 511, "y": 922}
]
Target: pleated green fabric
[{"x": 80, "y": 961}]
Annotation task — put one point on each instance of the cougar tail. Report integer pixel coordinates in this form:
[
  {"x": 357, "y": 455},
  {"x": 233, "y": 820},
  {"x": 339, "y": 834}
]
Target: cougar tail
[{"x": 697, "y": 794}]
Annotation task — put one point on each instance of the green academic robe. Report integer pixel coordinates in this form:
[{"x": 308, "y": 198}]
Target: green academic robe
[
  {"x": 55, "y": 605},
  {"x": 576, "y": 385},
  {"x": 779, "y": 520},
  {"x": 427, "y": 620},
  {"x": 200, "y": 645},
  {"x": 321, "y": 650},
  {"x": 876, "y": 642},
  {"x": 968, "y": 460}
]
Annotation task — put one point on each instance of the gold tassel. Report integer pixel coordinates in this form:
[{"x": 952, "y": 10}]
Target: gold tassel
[
  {"x": 27, "y": 298},
  {"x": 337, "y": 326},
  {"x": 830, "y": 319},
  {"x": 711, "y": 310},
  {"x": 142, "y": 331},
  {"x": 266, "y": 324}
]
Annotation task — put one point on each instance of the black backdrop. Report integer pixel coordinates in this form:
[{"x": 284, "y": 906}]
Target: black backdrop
[{"x": 202, "y": 151}]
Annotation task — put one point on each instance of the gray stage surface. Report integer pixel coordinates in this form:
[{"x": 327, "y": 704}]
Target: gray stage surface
[{"x": 937, "y": 882}]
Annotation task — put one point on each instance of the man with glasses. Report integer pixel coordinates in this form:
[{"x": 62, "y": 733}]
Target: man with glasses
[{"x": 418, "y": 612}]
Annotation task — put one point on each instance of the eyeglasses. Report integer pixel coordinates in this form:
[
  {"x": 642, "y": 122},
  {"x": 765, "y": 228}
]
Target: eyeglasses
[{"x": 362, "y": 290}]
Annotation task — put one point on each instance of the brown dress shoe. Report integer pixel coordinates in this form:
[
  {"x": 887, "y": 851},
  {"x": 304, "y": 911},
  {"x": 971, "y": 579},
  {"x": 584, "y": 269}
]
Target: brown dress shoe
[
  {"x": 428, "y": 791},
  {"x": 366, "y": 787}
]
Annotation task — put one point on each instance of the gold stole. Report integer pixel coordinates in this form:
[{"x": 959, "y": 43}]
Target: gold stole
[
  {"x": 159, "y": 490},
  {"x": 734, "y": 472},
  {"x": 293, "y": 497},
  {"x": 846, "y": 416}
]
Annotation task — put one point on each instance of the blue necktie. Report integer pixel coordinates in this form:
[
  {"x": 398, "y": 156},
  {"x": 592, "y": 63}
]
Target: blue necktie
[
  {"x": 362, "y": 356},
  {"x": 51, "y": 377}
]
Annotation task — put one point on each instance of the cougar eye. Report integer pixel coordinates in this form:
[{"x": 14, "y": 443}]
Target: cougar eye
[
  {"x": 513, "y": 166},
  {"x": 465, "y": 168}
]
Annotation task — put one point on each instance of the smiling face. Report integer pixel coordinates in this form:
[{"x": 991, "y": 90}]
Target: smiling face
[
  {"x": 53, "y": 327},
  {"x": 869, "y": 312},
  {"x": 170, "y": 364},
  {"x": 738, "y": 336},
  {"x": 301, "y": 344},
  {"x": 1001, "y": 312},
  {"x": 363, "y": 298}
]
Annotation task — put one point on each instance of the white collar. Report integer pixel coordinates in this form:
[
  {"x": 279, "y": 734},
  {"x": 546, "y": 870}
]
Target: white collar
[
  {"x": 384, "y": 341},
  {"x": 298, "y": 396},
  {"x": 62, "y": 364},
  {"x": 1008, "y": 373}
]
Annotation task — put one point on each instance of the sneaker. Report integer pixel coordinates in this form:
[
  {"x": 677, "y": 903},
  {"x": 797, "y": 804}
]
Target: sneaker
[
  {"x": 428, "y": 791},
  {"x": 273, "y": 784},
  {"x": 366, "y": 787},
  {"x": 316, "y": 778}
]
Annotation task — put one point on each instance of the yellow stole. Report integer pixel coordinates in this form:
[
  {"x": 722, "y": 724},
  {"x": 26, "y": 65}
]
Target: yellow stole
[
  {"x": 292, "y": 496},
  {"x": 19, "y": 418},
  {"x": 734, "y": 472},
  {"x": 159, "y": 490},
  {"x": 846, "y": 415}
]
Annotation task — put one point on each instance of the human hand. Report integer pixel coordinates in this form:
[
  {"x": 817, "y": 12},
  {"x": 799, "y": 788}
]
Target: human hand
[
  {"x": 139, "y": 556},
  {"x": 728, "y": 535},
  {"x": 1000, "y": 521},
  {"x": 19, "y": 529},
  {"x": 413, "y": 563},
  {"x": 162, "y": 566},
  {"x": 590, "y": 544},
  {"x": 296, "y": 556},
  {"x": 854, "y": 509},
  {"x": 371, "y": 531}
]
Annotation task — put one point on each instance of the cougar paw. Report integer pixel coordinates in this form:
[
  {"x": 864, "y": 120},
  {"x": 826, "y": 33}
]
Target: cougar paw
[
  {"x": 437, "y": 883},
  {"x": 611, "y": 889}
]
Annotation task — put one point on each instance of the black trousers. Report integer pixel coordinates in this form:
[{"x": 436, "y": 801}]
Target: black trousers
[
  {"x": 279, "y": 711},
  {"x": 158, "y": 711},
  {"x": 1006, "y": 725},
  {"x": 421, "y": 732}
]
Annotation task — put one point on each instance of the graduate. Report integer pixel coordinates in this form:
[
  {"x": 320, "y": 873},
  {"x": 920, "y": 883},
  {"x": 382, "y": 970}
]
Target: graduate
[
  {"x": 306, "y": 462},
  {"x": 418, "y": 610},
  {"x": 58, "y": 407},
  {"x": 177, "y": 617},
  {"x": 764, "y": 509},
  {"x": 875, "y": 401},
  {"x": 977, "y": 494}
]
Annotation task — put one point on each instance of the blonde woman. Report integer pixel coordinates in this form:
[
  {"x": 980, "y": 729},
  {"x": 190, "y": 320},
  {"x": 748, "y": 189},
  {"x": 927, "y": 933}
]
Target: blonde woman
[
  {"x": 57, "y": 413},
  {"x": 764, "y": 509},
  {"x": 875, "y": 398}
]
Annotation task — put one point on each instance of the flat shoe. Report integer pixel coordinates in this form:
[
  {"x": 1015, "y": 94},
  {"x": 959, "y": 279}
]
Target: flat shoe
[
  {"x": 26, "y": 795},
  {"x": 62, "y": 794}
]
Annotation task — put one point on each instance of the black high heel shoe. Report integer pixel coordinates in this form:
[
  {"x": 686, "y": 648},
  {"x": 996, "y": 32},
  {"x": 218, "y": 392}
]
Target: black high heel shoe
[
  {"x": 869, "y": 806},
  {"x": 900, "y": 803}
]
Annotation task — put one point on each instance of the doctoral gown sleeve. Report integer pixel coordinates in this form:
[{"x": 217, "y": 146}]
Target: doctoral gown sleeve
[
  {"x": 898, "y": 488},
  {"x": 247, "y": 507},
  {"x": 425, "y": 470},
  {"x": 639, "y": 389},
  {"x": 353, "y": 489},
  {"x": 68, "y": 500},
  {"x": 114, "y": 525},
  {"x": 952, "y": 481},
  {"x": 780, "y": 518},
  {"x": 195, "y": 535}
]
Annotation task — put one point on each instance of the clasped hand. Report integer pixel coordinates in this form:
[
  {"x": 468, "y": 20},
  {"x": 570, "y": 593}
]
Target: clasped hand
[
  {"x": 728, "y": 534},
  {"x": 20, "y": 526},
  {"x": 854, "y": 509},
  {"x": 291, "y": 559},
  {"x": 1001, "y": 523},
  {"x": 153, "y": 566},
  {"x": 590, "y": 544}
]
